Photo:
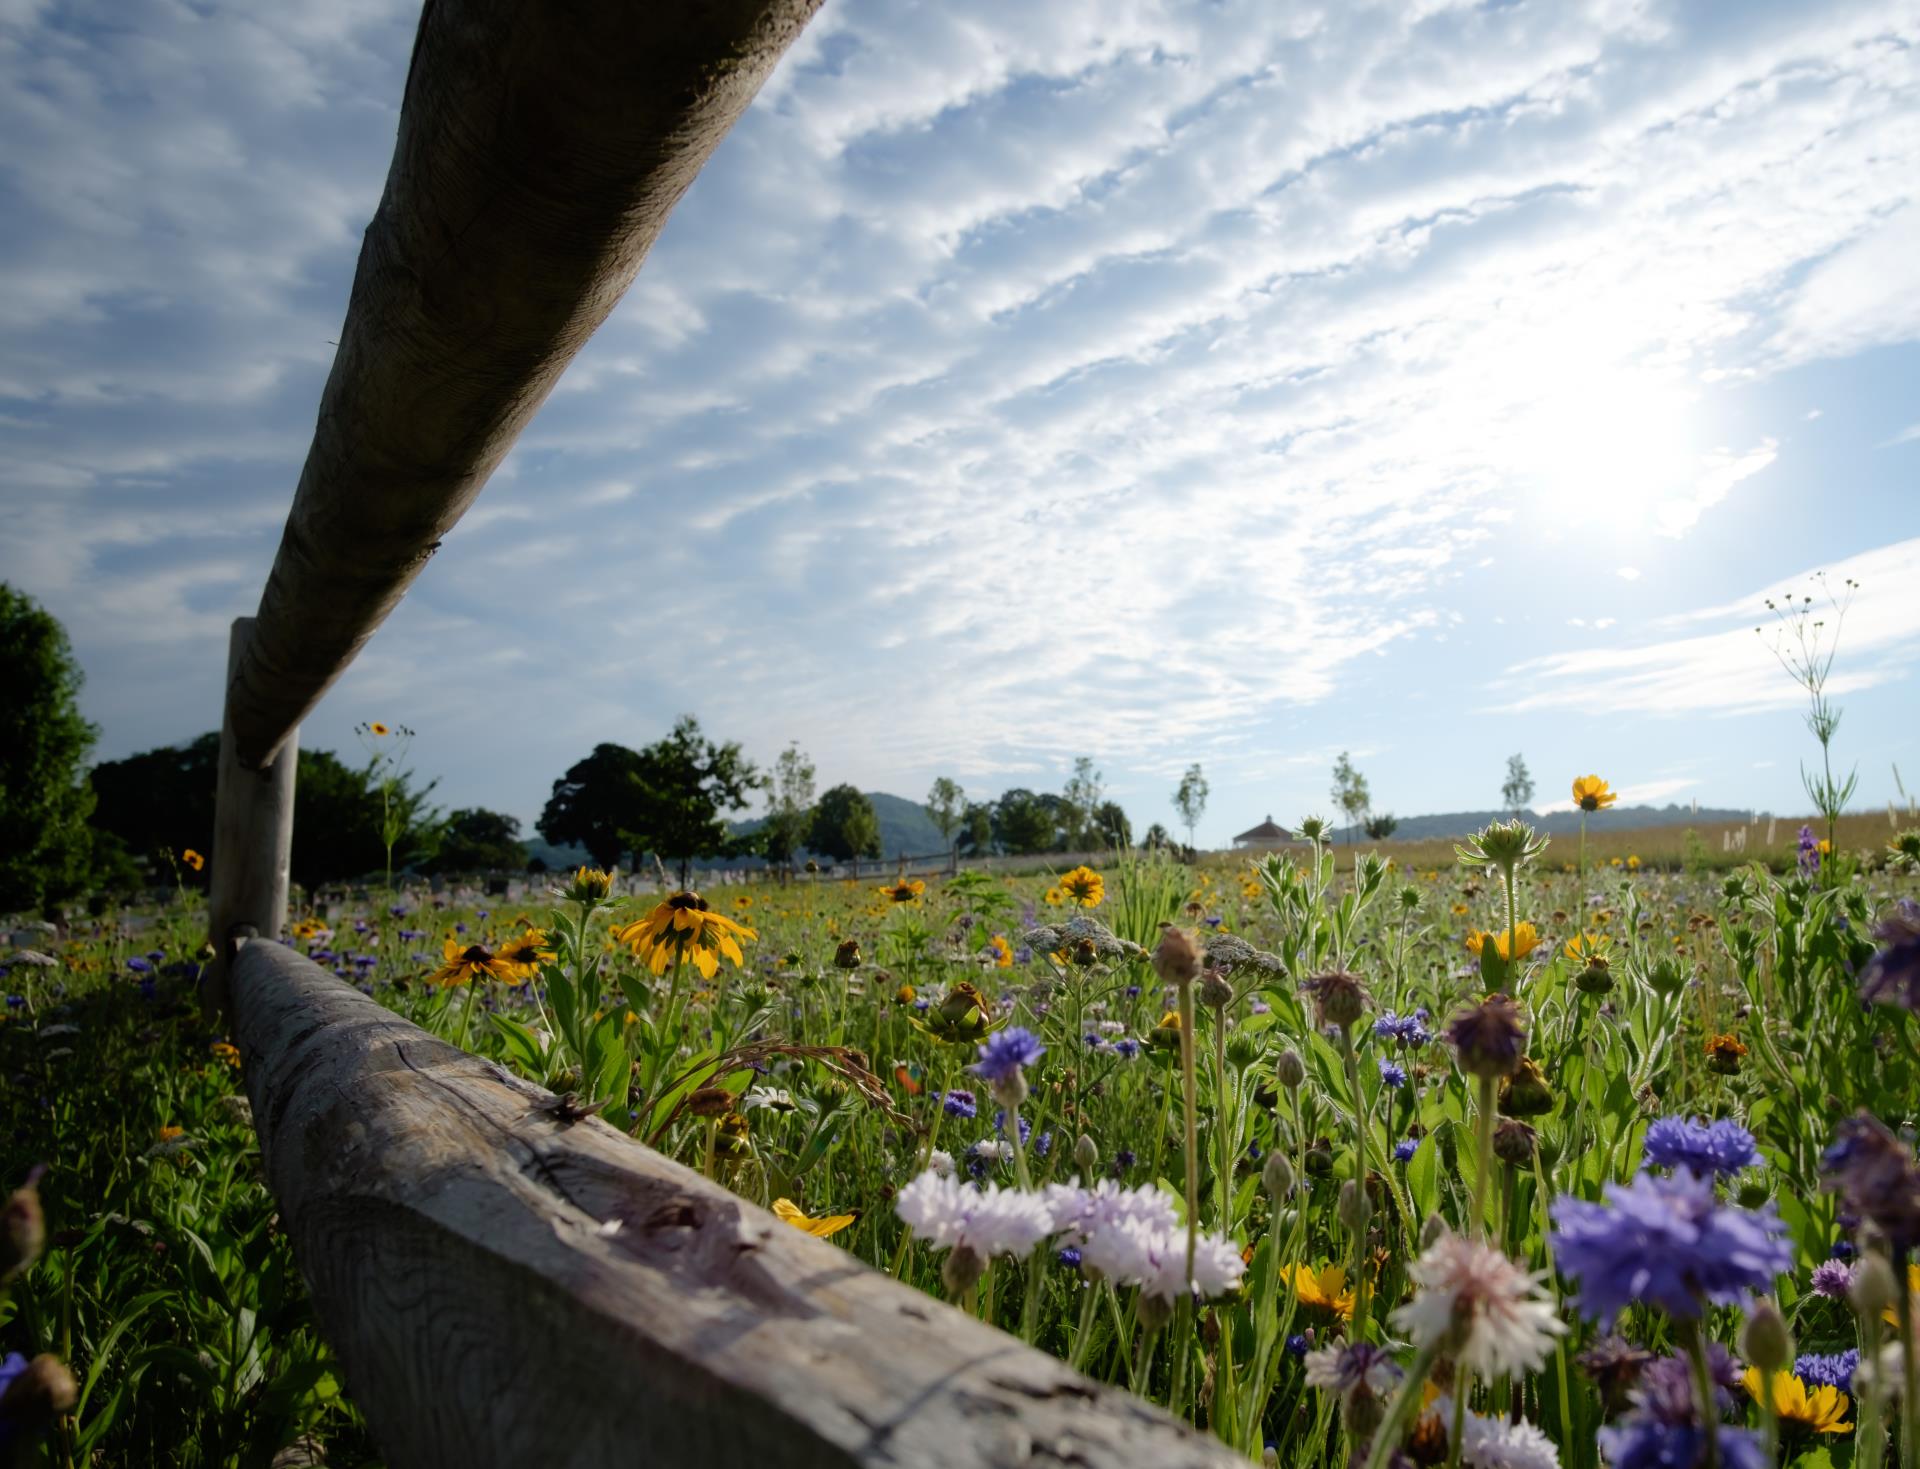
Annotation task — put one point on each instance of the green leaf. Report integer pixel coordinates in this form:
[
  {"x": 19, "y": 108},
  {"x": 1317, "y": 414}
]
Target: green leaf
[{"x": 1423, "y": 1176}]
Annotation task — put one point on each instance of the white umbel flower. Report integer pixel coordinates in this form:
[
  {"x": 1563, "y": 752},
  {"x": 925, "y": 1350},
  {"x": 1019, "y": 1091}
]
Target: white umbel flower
[
  {"x": 991, "y": 1221},
  {"x": 1488, "y": 1312}
]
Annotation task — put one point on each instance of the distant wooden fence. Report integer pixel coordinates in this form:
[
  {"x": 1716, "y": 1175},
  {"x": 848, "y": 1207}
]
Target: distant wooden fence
[{"x": 504, "y": 1286}]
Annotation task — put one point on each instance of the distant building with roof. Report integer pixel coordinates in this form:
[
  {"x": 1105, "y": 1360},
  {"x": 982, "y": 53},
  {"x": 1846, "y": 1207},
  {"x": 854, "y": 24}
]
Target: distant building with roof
[{"x": 1266, "y": 834}]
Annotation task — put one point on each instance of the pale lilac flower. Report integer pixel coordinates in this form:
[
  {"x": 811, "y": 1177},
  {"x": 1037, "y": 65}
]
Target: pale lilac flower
[{"x": 1490, "y": 1311}]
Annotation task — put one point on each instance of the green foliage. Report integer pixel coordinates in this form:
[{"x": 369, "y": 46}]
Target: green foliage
[
  {"x": 1024, "y": 823},
  {"x": 789, "y": 809},
  {"x": 478, "y": 840},
  {"x": 596, "y": 803},
  {"x": 44, "y": 796},
  {"x": 1350, "y": 791},
  {"x": 682, "y": 785},
  {"x": 844, "y": 825},
  {"x": 947, "y": 805},
  {"x": 1190, "y": 799},
  {"x": 1516, "y": 792}
]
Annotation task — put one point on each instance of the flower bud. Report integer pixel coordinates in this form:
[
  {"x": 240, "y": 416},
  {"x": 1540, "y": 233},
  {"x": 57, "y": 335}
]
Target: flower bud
[
  {"x": 1086, "y": 953},
  {"x": 1155, "y": 1312},
  {"x": 1765, "y": 1340},
  {"x": 1009, "y": 1090},
  {"x": 1242, "y": 1052},
  {"x": 1514, "y": 1143},
  {"x": 1526, "y": 1093},
  {"x": 1277, "y": 1175},
  {"x": 1085, "y": 1155},
  {"x": 43, "y": 1390},
  {"x": 1289, "y": 1070},
  {"x": 1754, "y": 1191},
  {"x": 710, "y": 1101},
  {"x": 1215, "y": 991},
  {"x": 1338, "y": 998},
  {"x": 1666, "y": 977},
  {"x": 23, "y": 1229},
  {"x": 1319, "y": 1157},
  {"x": 1175, "y": 959},
  {"x": 961, "y": 1271},
  {"x": 1595, "y": 979},
  {"x": 847, "y": 956},
  {"x": 1351, "y": 1210},
  {"x": 1433, "y": 1231},
  {"x": 1873, "y": 1289}
]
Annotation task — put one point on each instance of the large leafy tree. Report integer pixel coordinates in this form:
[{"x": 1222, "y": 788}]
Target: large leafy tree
[
  {"x": 45, "y": 847},
  {"x": 1111, "y": 826},
  {"x": 685, "y": 783},
  {"x": 162, "y": 800},
  {"x": 1025, "y": 822},
  {"x": 1080, "y": 805},
  {"x": 845, "y": 825},
  {"x": 596, "y": 803},
  {"x": 477, "y": 840}
]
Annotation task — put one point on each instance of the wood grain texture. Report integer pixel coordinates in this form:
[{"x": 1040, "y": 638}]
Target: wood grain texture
[
  {"x": 252, "y": 836},
  {"x": 505, "y": 1288},
  {"x": 540, "y": 150}
]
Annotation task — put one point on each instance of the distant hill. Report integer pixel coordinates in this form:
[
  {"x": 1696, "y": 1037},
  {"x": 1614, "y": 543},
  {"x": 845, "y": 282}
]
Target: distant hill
[
  {"x": 905, "y": 828},
  {"x": 1616, "y": 818}
]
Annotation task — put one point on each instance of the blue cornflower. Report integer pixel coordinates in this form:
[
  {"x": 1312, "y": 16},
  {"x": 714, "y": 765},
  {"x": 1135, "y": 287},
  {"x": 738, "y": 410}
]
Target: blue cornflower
[
  {"x": 1667, "y": 1241},
  {"x": 139, "y": 965},
  {"x": 398, "y": 910},
  {"x": 1127, "y": 1048},
  {"x": 961, "y": 1103},
  {"x": 1404, "y": 1150},
  {"x": 1004, "y": 1053},
  {"x": 1133, "y": 992},
  {"x": 1043, "y": 1144},
  {"x": 1092, "y": 1038},
  {"x": 1720, "y": 1148},
  {"x": 1892, "y": 976},
  {"x": 15, "y": 1002},
  {"x": 1298, "y": 1344},
  {"x": 1000, "y": 1125},
  {"x": 1023, "y": 954},
  {"x": 1392, "y": 1075},
  {"x": 360, "y": 925},
  {"x": 1827, "y": 1369},
  {"x": 1069, "y": 1257},
  {"x": 1641, "y": 1443},
  {"x": 1406, "y": 1029},
  {"x": 1123, "y": 1160}
]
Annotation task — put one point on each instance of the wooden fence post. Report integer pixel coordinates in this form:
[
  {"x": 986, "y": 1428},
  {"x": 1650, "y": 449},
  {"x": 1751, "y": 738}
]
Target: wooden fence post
[{"x": 252, "y": 836}]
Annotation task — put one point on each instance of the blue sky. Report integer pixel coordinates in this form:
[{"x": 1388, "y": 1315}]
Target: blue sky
[{"x": 1231, "y": 382}]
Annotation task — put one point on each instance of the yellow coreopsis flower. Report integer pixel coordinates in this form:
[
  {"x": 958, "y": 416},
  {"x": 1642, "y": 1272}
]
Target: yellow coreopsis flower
[
  {"x": 684, "y": 927},
  {"x": 1084, "y": 886},
  {"x": 1590, "y": 793},
  {"x": 1325, "y": 1288},
  {"x": 226, "y": 1051},
  {"x": 1633, "y": 863},
  {"x": 193, "y": 859},
  {"x": 820, "y": 1228},
  {"x": 1824, "y": 1409},
  {"x": 1526, "y": 938},
  {"x": 377, "y": 728}
]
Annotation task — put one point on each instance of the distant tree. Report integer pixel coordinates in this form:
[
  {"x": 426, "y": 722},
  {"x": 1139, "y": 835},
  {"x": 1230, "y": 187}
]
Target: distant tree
[
  {"x": 1190, "y": 800},
  {"x": 478, "y": 840},
  {"x": 1157, "y": 837},
  {"x": 947, "y": 806},
  {"x": 976, "y": 828},
  {"x": 45, "y": 846},
  {"x": 1517, "y": 794},
  {"x": 162, "y": 800},
  {"x": 1080, "y": 805},
  {"x": 1110, "y": 824},
  {"x": 845, "y": 825},
  {"x": 1382, "y": 825},
  {"x": 685, "y": 782},
  {"x": 789, "y": 809},
  {"x": 1350, "y": 792},
  {"x": 1024, "y": 822},
  {"x": 596, "y": 803}
]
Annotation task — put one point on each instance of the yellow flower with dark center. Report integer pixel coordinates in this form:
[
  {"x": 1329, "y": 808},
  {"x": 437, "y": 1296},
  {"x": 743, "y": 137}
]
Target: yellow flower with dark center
[
  {"x": 1001, "y": 950},
  {"x": 377, "y": 728},
  {"x": 904, "y": 994},
  {"x": 906, "y": 890},
  {"x": 1633, "y": 863},
  {"x": 792, "y": 1213},
  {"x": 1724, "y": 1053},
  {"x": 526, "y": 952},
  {"x": 684, "y": 928},
  {"x": 1084, "y": 886},
  {"x": 465, "y": 964},
  {"x": 1588, "y": 946},
  {"x": 310, "y": 928},
  {"x": 1824, "y": 1409},
  {"x": 743, "y": 902},
  {"x": 193, "y": 859},
  {"x": 1460, "y": 910},
  {"x": 226, "y": 1051},
  {"x": 168, "y": 1134},
  {"x": 1053, "y": 897},
  {"x": 1325, "y": 1289},
  {"x": 1590, "y": 793}
]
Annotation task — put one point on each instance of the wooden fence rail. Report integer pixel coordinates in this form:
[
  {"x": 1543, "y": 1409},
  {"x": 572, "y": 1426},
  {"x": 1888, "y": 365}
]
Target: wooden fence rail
[{"x": 506, "y": 1287}]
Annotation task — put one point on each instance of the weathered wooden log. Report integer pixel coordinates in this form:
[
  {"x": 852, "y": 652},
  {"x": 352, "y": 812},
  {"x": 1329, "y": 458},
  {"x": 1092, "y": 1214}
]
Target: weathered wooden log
[
  {"x": 252, "y": 836},
  {"x": 507, "y": 1287},
  {"x": 540, "y": 150}
]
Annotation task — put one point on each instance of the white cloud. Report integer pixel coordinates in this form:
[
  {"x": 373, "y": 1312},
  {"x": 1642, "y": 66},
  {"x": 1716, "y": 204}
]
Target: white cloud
[{"x": 1733, "y": 668}]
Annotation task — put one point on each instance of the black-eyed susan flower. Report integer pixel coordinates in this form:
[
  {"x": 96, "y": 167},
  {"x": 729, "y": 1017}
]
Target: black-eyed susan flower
[
  {"x": 1053, "y": 897},
  {"x": 684, "y": 928},
  {"x": 1084, "y": 886},
  {"x": 375, "y": 727},
  {"x": 526, "y": 952},
  {"x": 820, "y": 1228},
  {"x": 906, "y": 890},
  {"x": 1822, "y": 1409},
  {"x": 1724, "y": 1053},
  {"x": 193, "y": 859},
  {"x": 311, "y": 928},
  {"x": 1590, "y": 793},
  {"x": 1324, "y": 1289},
  {"x": 465, "y": 963},
  {"x": 1588, "y": 947},
  {"x": 226, "y": 1051}
]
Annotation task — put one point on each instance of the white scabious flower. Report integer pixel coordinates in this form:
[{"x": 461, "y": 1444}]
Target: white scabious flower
[
  {"x": 991, "y": 1221},
  {"x": 994, "y": 1150},
  {"x": 1490, "y": 1313},
  {"x": 1494, "y": 1443},
  {"x": 941, "y": 1162},
  {"x": 1081, "y": 1213}
]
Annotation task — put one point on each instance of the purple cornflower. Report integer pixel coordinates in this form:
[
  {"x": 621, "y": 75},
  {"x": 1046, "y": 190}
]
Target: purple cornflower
[
  {"x": 1006, "y": 1052},
  {"x": 1000, "y": 1125},
  {"x": 960, "y": 1103},
  {"x": 1892, "y": 976},
  {"x": 1404, "y": 1150},
  {"x": 1642, "y": 1443},
  {"x": 1126, "y": 1048},
  {"x": 1069, "y": 1257},
  {"x": 1408, "y": 1030},
  {"x": 1827, "y": 1369},
  {"x": 1668, "y": 1242},
  {"x": 1043, "y": 1144},
  {"x": 1832, "y": 1278},
  {"x": 1809, "y": 852},
  {"x": 1392, "y": 1075},
  {"x": 1873, "y": 1172},
  {"x": 1711, "y": 1149},
  {"x": 1297, "y": 1345},
  {"x": 139, "y": 965}
]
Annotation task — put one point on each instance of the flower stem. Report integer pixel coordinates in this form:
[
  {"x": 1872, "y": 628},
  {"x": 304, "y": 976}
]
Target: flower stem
[
  {"x": 1703, "y": 1393},
  {"x": 1192, "y": 1104},
  {"x": 1394, "y": 1425},
  {"x": 1483, "y": 1155},
  {"x": 1909, "y": 1368}
]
